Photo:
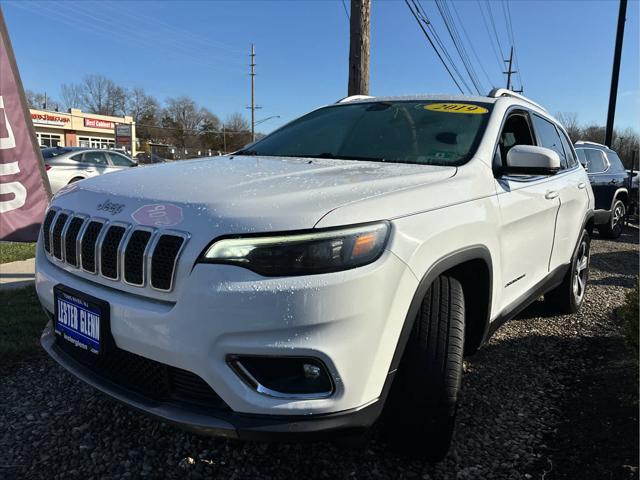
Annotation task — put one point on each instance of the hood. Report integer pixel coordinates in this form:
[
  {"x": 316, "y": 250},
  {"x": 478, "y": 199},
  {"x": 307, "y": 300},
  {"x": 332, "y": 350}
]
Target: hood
[{"x": 241, "y": 194}]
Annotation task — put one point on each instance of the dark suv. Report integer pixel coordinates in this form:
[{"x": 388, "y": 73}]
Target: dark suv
[{"x": 611, "y": 185}]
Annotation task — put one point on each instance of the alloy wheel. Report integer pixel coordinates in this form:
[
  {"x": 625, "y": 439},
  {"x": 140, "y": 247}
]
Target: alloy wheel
[
  {"x": 581, "y": 271},
  {"x": 617, "y": 222}
]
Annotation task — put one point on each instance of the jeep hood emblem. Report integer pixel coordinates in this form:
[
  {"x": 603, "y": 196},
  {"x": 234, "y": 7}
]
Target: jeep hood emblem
[{"x": 112, "y": 208}]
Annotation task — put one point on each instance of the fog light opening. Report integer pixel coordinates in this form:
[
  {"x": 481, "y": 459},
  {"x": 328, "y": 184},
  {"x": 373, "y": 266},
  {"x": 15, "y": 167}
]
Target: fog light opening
[{"x": 284, "y": 377}]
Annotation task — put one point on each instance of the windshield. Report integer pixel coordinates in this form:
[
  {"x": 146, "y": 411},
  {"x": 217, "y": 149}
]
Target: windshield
[{"x": 430, "y": 133}]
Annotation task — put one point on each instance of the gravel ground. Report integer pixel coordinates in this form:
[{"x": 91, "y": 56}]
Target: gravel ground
[{"x": 548, "y": 397}]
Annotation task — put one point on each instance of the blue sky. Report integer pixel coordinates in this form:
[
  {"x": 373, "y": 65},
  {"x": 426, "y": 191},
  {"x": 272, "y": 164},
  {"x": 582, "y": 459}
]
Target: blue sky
[{"x": 200, "y": 49}]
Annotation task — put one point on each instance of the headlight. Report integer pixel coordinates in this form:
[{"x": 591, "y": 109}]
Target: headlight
[{"x": 302, "y": 253}]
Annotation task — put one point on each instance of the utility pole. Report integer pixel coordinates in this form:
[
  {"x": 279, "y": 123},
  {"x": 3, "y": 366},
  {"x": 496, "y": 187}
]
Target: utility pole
[
  {"x": 359, "y": 45},
  {"x": 615, "y": 74},
  {"x": 253, "y": 100},
  {"x": 224, "y": 139},
  {"x": 509, "y": 72}
]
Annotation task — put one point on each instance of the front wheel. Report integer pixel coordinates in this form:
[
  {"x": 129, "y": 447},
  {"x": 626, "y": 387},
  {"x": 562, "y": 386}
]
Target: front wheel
[
  {"x": 422, "y": 406},
  {"x": 615, "y": 225},
  {"x": 568, "y": 296}
]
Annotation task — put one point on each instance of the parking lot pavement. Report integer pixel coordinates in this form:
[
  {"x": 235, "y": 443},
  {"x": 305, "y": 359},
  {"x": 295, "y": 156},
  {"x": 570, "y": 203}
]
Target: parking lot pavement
[
  {"x": 551, "y": 397},
  {"x": 17, "y": 274}
]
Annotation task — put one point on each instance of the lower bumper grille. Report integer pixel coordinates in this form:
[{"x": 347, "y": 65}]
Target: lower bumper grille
[{"x": 151, "y": 379}]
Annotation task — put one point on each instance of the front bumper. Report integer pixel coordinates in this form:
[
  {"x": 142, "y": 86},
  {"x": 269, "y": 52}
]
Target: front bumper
[
  {"x": 350, "y": 320},
  {"x": 224, "y": 423}
]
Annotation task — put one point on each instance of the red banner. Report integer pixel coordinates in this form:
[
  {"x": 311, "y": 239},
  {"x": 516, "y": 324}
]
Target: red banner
[{"x": 24, "y": 186}]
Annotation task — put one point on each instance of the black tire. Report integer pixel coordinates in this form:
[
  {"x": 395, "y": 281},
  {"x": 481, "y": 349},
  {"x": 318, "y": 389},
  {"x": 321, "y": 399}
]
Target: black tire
[
  {"x": 614, "y": 227},
  {"x": 74, "y": 180},
  {"x": 569, "y": 295},
  {"x": 421, "y": 409}
]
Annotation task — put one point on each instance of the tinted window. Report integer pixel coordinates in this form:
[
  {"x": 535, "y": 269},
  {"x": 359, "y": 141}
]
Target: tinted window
[
  {"x": 94, "y": 158},
  {"x": 120, "y": 160},
  {"x": 615, "y": 162},
  {"x": 596, "y": 162},
  {"x": 582, "y": 156},
  {"x": 571, "y": 158},
  {"x": 516, "y": 131},
  {"x": 54, "y": 152},
  {"x": 549, "y": 138},
  {"x": 407, "y": 131}
]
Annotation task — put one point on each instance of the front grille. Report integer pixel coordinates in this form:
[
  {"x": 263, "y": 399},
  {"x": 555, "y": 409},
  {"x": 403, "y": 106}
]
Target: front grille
[
  {"x": 134, "y": 257},
  {"x": 88, "y": 248},
  {"x": 163, "y": 261},
  {"x": 109, "y": 251},
  {"x": 121, "y": 250},
  {"x": 57, "y": 235},
  {"x": 70, "y": 240},
  {"x": 46, "y": 229},
  {"x": 151, "y": 379}
]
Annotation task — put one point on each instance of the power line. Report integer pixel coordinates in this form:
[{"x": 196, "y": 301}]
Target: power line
[
  {"x": 491, "y": 40},
  {"x": 473, "y": 50},
  {"x": 432, "y": 45},
  {"x": 346, "y": 12},
  {"x": 457, "y": 43},
  {"x": 422, "y": 14},
  {"x": 493, "y": 25},
  {"x": 509, "y": 21}
]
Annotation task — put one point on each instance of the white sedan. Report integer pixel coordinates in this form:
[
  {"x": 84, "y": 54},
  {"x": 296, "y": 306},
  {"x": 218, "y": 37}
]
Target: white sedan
[{"x": 66, "y": 165}]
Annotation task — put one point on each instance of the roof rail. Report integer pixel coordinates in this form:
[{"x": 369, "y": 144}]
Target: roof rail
[
  {"x": 354, "y": 97},
  {"x": 503, "y": 92},
  {"x": 587, "y": 142}
]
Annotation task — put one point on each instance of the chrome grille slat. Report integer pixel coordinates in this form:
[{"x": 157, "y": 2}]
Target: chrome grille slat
[{"x": 136, "y": 255}]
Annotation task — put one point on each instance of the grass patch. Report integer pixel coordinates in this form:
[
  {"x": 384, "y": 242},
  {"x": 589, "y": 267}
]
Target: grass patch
[
  {"x": 629, "y": 315},
  {"x": 13, "y": 251},
  {"x": 21, "y": 323}
]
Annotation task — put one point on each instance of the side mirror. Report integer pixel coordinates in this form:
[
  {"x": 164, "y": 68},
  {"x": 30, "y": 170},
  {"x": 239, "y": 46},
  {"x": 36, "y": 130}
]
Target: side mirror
[{"x": 532, "y": 160}]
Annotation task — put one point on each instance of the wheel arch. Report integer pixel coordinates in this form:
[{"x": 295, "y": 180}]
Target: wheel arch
[
  {"x": 473, "y": 268},
  {"x": 621, "y": 194}
]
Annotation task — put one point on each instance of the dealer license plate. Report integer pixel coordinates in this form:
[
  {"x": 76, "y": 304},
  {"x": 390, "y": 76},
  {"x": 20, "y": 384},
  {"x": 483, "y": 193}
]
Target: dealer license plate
[{"x": 80, "y": 319}]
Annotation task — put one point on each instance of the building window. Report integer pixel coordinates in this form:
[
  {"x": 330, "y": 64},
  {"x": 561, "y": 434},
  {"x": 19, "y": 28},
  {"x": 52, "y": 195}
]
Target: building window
[
  {"x": 49, "y": 140},
  {"x": 96, "y": 142}
]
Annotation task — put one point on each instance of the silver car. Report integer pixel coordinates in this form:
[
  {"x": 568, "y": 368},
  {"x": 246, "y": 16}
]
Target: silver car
[{"x": 66, "y": 165}]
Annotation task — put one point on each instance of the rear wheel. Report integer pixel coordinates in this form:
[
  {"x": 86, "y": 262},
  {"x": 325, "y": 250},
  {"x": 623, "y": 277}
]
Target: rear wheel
[
  {"x": 74, "y": 180},
  {"x": 422, "y": 406},
  {"x": 568, "y": 296},
  {"x": 615, "y": 225}
]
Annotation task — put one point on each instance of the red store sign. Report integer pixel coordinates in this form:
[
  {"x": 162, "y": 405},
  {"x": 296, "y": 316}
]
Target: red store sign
[
  {"x": 95, "y": 123},
  {"x": 47, "y": 119}
]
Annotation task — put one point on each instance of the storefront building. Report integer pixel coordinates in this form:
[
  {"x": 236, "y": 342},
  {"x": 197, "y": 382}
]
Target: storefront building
[{"x": 79, "y": 129}]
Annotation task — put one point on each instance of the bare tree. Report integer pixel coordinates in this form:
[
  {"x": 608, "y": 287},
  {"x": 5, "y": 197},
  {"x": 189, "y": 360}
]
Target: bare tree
[
  {"x": 71, "y": 95},
  {"x": 239, "y": 132},
  {"x": 102, "y": 96},
  {"x": 40, "y": 100},
  {"x": 185, "y": 112},
  {"x": 570, "y": 122}
]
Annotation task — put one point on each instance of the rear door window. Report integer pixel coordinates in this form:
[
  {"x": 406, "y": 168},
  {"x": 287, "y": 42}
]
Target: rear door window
[
  {"x": 568, "y": 150},
  {"x": 548, "y": 137},
  {"x": 120, "y": 160},
  {"x": 596, "y": 162},
  {"x": 615, "y": 162},
  {"x": 95, "y": 158}
]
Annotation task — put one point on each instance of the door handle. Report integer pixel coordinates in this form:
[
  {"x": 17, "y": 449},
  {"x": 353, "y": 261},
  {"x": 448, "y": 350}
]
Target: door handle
[
  {"x": 551, "y": 194},
  {"x": 581, "y": 185}
]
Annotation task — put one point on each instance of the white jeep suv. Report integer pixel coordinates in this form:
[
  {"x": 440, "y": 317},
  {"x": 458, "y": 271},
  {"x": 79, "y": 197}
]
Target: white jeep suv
[{"x": 342, "y": 264}]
